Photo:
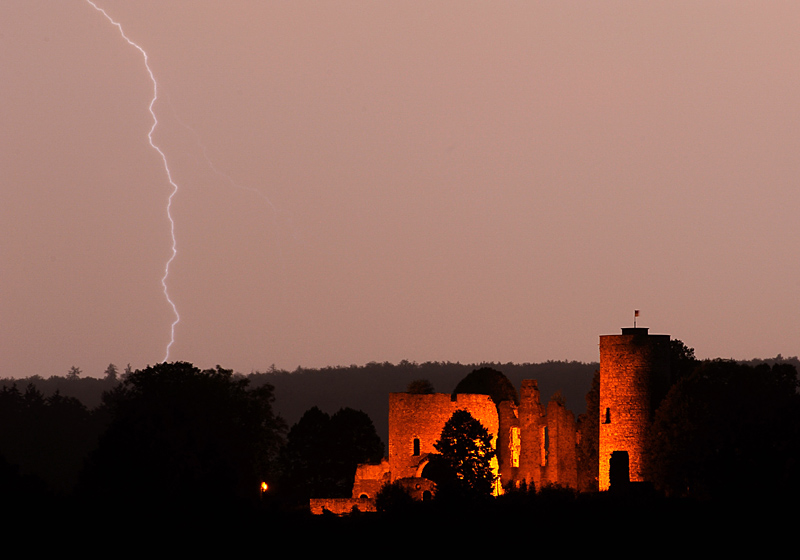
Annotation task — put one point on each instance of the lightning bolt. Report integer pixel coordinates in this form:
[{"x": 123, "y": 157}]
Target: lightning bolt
[{"x": 166, "y": 168}]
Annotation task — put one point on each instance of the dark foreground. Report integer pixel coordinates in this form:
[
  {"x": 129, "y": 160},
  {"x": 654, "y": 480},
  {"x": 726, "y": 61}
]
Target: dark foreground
[{"x": 544, "y": 522}]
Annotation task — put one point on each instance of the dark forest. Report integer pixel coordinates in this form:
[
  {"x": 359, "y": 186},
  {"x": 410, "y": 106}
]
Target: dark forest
[{"x": 176, "y": 440}]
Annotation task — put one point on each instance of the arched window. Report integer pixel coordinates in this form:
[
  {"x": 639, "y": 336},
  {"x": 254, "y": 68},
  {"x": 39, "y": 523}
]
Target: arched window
[{"x": 416, "y": 446}]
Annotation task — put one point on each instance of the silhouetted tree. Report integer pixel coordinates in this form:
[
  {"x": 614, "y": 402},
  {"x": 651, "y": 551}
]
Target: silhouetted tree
[
  {"x": 682, "y": 360},
  {"x": 728, "y": 428},
  {"x": 111, "y": 373},
  {"x": 69, "y": 434},
  {"x": 393, "y": 498},
  {"x": 463, "y": 466},
  {"x": 74, "y": 373},
  {"x": 14, "y": 432},
  {"x": 48, "y": 438},
  {"x": 26, "y": 495},
  {"x": 355, "y": 441},
  {"x": 322, "y": 453},
  {"x": 420, "y": 387},
  {"x": 305, "y": 458},
  {"x": 488, "y": 381},
  {"x": 182, "y": 436},
  {"x": 588, "y": 450}
]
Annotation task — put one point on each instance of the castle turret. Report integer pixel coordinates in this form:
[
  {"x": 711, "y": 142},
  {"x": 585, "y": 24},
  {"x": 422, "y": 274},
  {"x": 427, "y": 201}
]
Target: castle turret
[{"x": 634, "y": 373}]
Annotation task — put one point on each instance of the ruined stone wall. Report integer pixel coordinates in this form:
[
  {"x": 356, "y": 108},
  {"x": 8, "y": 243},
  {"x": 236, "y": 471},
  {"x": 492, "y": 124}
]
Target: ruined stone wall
[
  {"x": 509, "y": 443},
  {"x": 518, "y": 432},
  {"x": 422, "y": 417},
  {"x": 340, "y": 506},
  {"x": 548, "y": 440},
  {"x": 420, "y": 489},
  {"x": 530, "y": 425},
  {"x": 634, "y": 366},
  {"x": 369, "y": 479},
  {"x": 561, "y": 466}
]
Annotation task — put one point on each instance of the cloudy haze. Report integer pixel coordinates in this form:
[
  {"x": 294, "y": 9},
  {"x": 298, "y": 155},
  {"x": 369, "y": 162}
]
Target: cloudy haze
[{"x": 377, "y": 181}]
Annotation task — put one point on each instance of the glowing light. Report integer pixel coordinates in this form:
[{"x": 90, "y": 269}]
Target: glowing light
[{"x": 166, "y": 168}]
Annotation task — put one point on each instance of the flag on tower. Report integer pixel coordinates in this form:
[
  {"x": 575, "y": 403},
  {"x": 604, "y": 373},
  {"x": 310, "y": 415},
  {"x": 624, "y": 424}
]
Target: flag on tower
[{"x": 635, "y": 312}]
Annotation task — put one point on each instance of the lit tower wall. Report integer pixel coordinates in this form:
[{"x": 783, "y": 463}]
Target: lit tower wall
[{"x": 634, "y": 372}]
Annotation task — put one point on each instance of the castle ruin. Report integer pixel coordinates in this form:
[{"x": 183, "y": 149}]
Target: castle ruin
[{"x": 536, "y": 445}]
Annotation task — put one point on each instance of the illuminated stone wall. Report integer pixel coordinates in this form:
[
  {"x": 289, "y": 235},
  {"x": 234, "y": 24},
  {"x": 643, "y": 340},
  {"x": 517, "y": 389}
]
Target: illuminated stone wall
[
  {"x": 369, "y": 479},
  {"x": 530, "y": 425},
  {"x": 634, "y": 371},
  {"x": 561, "y": 465},
  {"x": 509, "y": 443},
  {"x": 548, "y": 441},
  {"x": 340, "y": 506},
  {"x": 422, "y": 417}
]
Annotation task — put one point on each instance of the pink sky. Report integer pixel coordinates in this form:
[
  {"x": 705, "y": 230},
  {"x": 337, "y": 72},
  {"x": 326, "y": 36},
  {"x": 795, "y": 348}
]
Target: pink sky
[{"x": 377, "y": 181}]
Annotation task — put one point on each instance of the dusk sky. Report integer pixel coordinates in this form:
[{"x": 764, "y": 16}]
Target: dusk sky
[{"x": 376, "y": 181}]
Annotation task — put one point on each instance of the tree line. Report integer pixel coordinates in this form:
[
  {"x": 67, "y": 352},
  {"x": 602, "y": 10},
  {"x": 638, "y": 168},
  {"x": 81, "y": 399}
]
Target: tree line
[
  {"x": 175, "y": 435},
  {"x": 172, "y": 435}
]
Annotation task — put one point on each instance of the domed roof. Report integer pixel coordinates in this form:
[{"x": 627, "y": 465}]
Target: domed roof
[{"x": 488, "y": 381}]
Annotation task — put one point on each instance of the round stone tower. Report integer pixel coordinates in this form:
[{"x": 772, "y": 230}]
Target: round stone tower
[{"x": 634, "y": 374}]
